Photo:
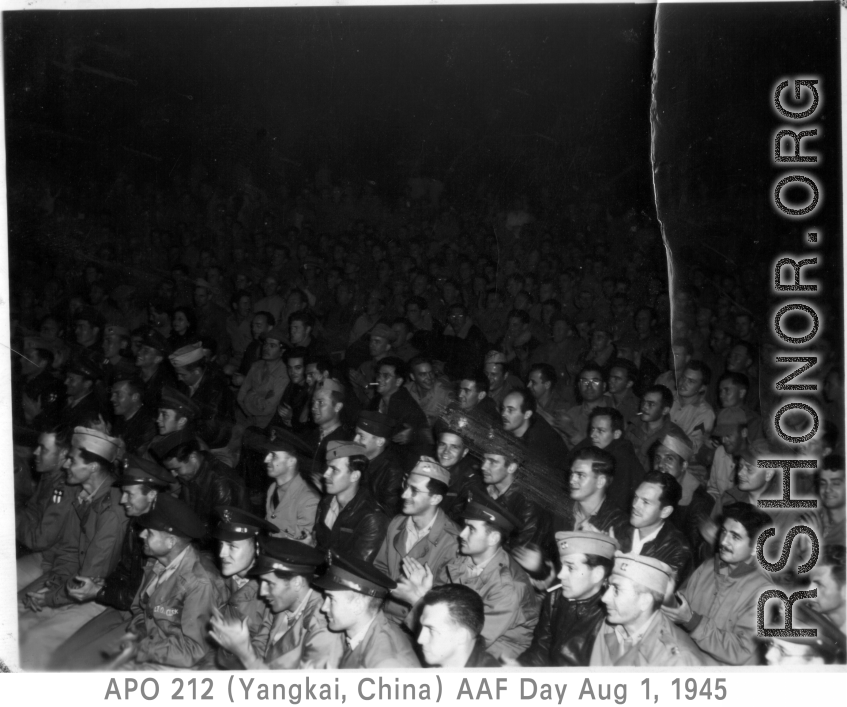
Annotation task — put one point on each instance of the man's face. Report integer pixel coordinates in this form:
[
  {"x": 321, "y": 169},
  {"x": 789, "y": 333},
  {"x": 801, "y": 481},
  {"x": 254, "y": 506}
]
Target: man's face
[
  {"x": 439, "y": 635},
  {"x": 591, "y": 385},
  {"x": 148, "y": 357},
  {"x": 387, "y": 381},
  {"x": 537, "y": 385},
  {"x": 667, "y": 461},
  {"x": 583, "y": 482},
  {"x": 623, "y": 602},
  {"x": 271, "y": 350},
  {"x": 734, "y": 544},
  {"x": 733, "y": 443},
  {"x": 323, "y": 409},
  {"x": 168, "y": 421},
  {"x": 652, "y": 409},
  {"x": 690, "y": 383},
  {"x": 512, "y": 415},
  {"x": 831, "y": 595},
  {"x": 495, "y": 468},
  {"x": 424, "y": 376},
  {"x": 296, "y": 371},
  {"x": 515, "y": 327},
  {"x": 416, "y": 497},
  {"x": 338, "y": 477},
  {"x": 135, "y": 501},
  {"x": 600, "y": 431},
  {"x": 244, "y": 306},
  {"x": 201, "y": 297},
  {"x": 157, "y": 543},
  {"x": 646, "y": 506},
  {"x": 189, "y": 375},
  {"x": 279, "y": 594},
  {"x": 831, "y": 488},
  {"x": 112, "y": 346},
  {"x": 738, "y": 361},
  {"x": 277, "y": 464},
  {"x": 474, "y": 538},
  {"x": 269, "y": 286},
  {"x": 600, "y": 340},
  {"x": 378, "y": 346},
  {"x": 85, "y": 333},
  {"x": 730, "y": 394},
  {"x": 679, "y": 355},
  {"x": 313, "y": 375},
  {"x": 341, "y": 607},
  {"x": 750, "y": 477},
  {"x": 560, "y": 330},
  {"x": 75, "y": 385},
  {"x": 643, "y": 322},
  {"x": 183, "y": 470},
  {"x": 259, "y": 326},
  {"x": 618, "y": 380},
  {"x": 496, "y": 374},
  {"x": 468, "y": 395},
  {"x": 78, "y": 472},
  {"x": 451, "y": 450},
  {"x": 236, "y": 556},
  {"x": 413, "y": 314},
  {"x": 373, "y": 445},
  {"x": 298, "y": 332},
  {"x": 49, "y": 456},
  {"x": 457, "y": 319},
  {"x": 579, "y": 581},
  {"x": 719, "y": 341}
]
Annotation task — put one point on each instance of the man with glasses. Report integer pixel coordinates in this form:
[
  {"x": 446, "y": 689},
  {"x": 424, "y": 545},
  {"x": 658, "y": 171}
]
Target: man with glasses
[
  {"x": 591, "y": 386},
  {"x": 430, "y": 392}
]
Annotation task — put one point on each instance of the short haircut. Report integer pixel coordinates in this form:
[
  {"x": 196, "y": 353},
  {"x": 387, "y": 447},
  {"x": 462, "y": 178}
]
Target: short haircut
[
  {"x": 700, "y": 367},
  {"x": 62, "y": 436},
  {"x": 519, "y": 314},
  {"x": 528, "y": 403},
  {"x": 671, "y": 490},
  {"x": 606, "y": 563},
  {"x": 321, "y": 363},
  {"x": 664, "y": 391},
  {"x": 269, "y": 318},
  {"x": 592, "y": 367},
  {"x": 627, "y": 365},
  {"x": 437, "y": 488},
  {"x": 683, "y": 343},
  {"x": 751, "y": 518},
  {"x": 134, "y": 385},
  {"x": 751, "y": 350},
  {"x": 237, "y": 295},
  {"x": 358, "y": 462},
  {"x": 458, "y": 305},
  {"x": 479, "y": 379},
  {"x": 398, "y": 364},
  {"x": 614, "y": 416},
  {"x": 46, "y": 356},
  {"x": 295, "y": 352},
  {"x": 183, "y": 451},
  {"x": 548, "y": 373},
  {"x": 738, "y": 379},
  {"x": 305, "y": 317},
  {"x": 417, "y": 361},
  {"x": 833, "y": 556},
  {"x": 601, "y": 461},
  {"x": 832, "y": 462},
  {"x": 402, "y": 321},
  {"x": 464, "y": 606},
  {"x": 416, "y": 300}
]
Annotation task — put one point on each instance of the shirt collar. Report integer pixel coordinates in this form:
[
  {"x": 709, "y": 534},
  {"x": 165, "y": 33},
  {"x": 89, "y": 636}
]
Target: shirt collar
[{"x": 354, "y": 641}]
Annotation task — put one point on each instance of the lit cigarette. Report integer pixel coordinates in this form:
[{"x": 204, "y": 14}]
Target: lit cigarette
[
  {"x": 553, "y": 589},
  {"x": 372, "y": 385}
]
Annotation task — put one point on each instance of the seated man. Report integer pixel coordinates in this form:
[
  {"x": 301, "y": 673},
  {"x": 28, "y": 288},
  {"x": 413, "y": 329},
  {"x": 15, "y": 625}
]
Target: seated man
[
  {"x": 572, "y": 614},
  {"x": 636, "y": 632},
  {"x": 348, "y": 520},
  {"x": 452, "y": 451},
  {"x": 518, "y": 417},
  {"x": 423, "y": 531},
  {"x": 717, "y": 605},
  {"x": 174, "y": 604},
  {"x": 385, "y": 472},
  {"x": 354, "y": 591},
  {"x": 450, "y": 634},
  {"x": 298, "y": 637}
]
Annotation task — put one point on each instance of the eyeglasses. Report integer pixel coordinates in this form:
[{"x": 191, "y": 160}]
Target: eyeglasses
[
  {"x": 590, "y": 381},
  {"x": 414, "y": 491}
]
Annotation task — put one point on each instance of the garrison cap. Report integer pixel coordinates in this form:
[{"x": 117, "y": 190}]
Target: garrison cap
[
  {"x": 171, "y": 515},
  {"x": 154, "y": 340},
  {"x": 285, "y": 555},
  {"x": 172, "y": 399},
  {"x": 338, "y": 449},
  {"x": 679, "y": 443},
  {"x": 356, "y": 575},
  {"x": 109, "y": 448},
  {"x": 236, "y": 524},
  {"x": 728, "y": 420},
  {"x": 375, "y": 423},
  {"x": 646, "y": 571},
  {"x": 482, "y": 507},
  {"x": 384, "y": 331},
  {"x": 187, "y": 355},
  {"x": 586, "y": 543},
  {"x": 427, "y": 466},
  {"x": 143, "y": 471}
]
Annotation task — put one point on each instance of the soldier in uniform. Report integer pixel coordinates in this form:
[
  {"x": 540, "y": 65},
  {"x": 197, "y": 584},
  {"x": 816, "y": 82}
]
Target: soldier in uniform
[
  {"x": 239, "y": 533},
  {"x": 82, "y": 401},
  {"x": 385, "y": 472},
  {"x": 349, "y": 520},
  {"x": 133, "y": 423},
  {"x": 328, "y": 401},
  {"x": 636, "y": 632},
  {"x": 296, "y": 629},
  {"x": 141, "y": 482},
  {"x": 173, "y": 606},
  {"x": 155, "y": 371},
  {"x": 176, "y": 413},
  {"x": 38, "y": 525},
  {"x": 572, "y": 614},
  {"x": 354, "y": 591},
  {"x": 451, "y": 623},
  {"x": 422, "y": 532},
  {"x": 464, "y": 473}
]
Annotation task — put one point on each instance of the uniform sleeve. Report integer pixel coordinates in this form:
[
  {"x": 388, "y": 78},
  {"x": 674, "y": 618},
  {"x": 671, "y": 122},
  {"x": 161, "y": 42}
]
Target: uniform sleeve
[
  {"x": 187, "y": 645},
  {"x": 322, "y": 649},
  {"x": 502, "y": 607},
  {"x": 381, "y": 559},
  {"x": 538, "y": 654},
  {"x": 307, "y": 510},
  {"x": 370, "y": 532},
  {"x": 104, "y": 551},
  {"x": 40, "y": 524}
]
